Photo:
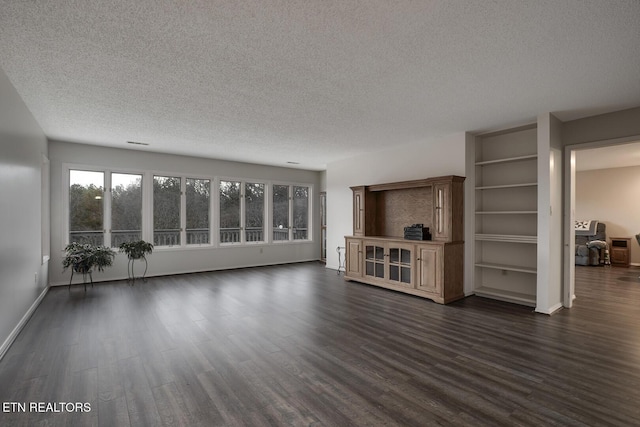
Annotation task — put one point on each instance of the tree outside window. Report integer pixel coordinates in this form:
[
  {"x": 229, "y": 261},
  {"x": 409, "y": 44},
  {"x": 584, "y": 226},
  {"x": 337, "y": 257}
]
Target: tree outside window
[
  {"x": 229, "y": 211},
  {"x": 280, "y": 212},
  {"x": 198, "y": 207},
  {"x": 166, "y": 211},
  {"x": 86, "y": 209},
  {"x": 300, "y": 213},
  {"x": 126, "y": 208},
  {"x": 254, "y": 212}
]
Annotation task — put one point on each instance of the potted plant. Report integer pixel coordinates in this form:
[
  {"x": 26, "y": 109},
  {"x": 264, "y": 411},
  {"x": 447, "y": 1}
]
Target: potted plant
[
  {"x": 84, "y": 258},
  {"x": 136, "y": 250}
]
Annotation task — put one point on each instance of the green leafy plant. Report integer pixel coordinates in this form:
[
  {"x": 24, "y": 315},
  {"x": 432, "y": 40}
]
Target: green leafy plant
[
  {"x": 136, "y": 250},
  {"x": 83, "y": 258}
]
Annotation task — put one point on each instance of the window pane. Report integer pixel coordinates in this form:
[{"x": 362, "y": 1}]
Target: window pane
[
  {"x": 229, "y": 211},
  {"x": 86, "y": 191},
  {"x": 198, "y": 211},
  {"x": 126, "y": 208},
  {"x": 254, "y": 212},
  {"x": 166, "y": 211},
  {"x": 280, "y": 212},
  {"x": 300, "y": 213}
]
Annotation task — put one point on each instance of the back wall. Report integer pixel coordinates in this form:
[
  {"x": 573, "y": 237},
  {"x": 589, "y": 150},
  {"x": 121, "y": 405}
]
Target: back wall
[
  {"x": 179, "y": 260},
  {"x": 613, "y": 197}
]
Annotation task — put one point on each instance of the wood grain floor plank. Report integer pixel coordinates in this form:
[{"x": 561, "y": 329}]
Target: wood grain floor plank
[{"x": 296, "y": 345}]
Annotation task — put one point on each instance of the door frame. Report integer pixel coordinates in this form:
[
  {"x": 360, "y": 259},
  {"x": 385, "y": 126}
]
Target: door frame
[{"x": 568, "y": 293}]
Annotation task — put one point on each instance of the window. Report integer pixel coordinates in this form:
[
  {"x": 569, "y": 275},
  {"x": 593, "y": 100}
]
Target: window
[
  {"x": 106, "y": 207},
  {"x": 126, "y": 208},
  {"x": 198, "y": 208},
  {"x": 86, "y": 214},
  {"x": 290, "y": 212},
  {"x": 280, "y": 212},
  {"x": 241, "y": 214},
  {"x": 254, "y": 212},
  {"x": 229, "y": 211},
  {"x": 300, "y": 213},
  {"x": 166, "y": 210}
]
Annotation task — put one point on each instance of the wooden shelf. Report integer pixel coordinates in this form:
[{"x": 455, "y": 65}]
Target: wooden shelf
[
  {"x": 528, "y": 270},
  {"x": 430, "y": 269},
  {"x": 507, "y": 160},
  {"x": 498, "y": 187},
  {"x": 507, "y": 238},
  {"x": 507, "y": 296}
]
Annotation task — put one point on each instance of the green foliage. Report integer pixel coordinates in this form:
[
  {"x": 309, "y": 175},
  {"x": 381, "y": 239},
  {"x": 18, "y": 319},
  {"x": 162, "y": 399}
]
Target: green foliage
[
  {"x": 166, "y": 203},
  {"x": 229, "y": 204},
  {"x": 126, "y": 206},
  {"x": 281, "y": 205},
  {"x": 198, "y": 197},
  {"x": 136, "y": 250},
  {"x": 85, "y": 207},
  {"x": 254, "y": 195},
  {"x": 83, "y": 257}
]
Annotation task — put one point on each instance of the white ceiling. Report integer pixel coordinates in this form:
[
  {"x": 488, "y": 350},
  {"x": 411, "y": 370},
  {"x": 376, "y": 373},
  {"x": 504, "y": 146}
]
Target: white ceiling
[{"x": 312, "y": 81}]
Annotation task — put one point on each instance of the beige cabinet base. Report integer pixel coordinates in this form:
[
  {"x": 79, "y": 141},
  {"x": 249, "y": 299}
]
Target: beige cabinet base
[{"x": 428, "y": 269}]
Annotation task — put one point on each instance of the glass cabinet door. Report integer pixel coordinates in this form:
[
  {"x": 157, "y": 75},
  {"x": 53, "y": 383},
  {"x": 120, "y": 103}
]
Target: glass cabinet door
[
  {"x": 374, "y": 260},
  {"x": 400, "y": 265}
]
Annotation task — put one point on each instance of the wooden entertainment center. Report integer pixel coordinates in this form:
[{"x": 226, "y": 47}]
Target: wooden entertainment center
[{"x": 378, "y": 254}]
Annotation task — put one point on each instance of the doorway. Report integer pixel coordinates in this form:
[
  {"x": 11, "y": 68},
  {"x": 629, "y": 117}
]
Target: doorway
[{"x": 615, "y": 159}]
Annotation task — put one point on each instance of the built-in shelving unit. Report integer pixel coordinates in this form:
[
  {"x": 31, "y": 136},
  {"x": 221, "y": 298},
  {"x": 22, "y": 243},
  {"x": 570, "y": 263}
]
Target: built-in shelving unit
[
  {"x": 378, "y": 254},
  {"x": 506, "y": 214}
]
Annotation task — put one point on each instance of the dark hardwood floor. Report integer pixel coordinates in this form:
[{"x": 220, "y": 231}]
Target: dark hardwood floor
[{"x": 296, "y": 345}]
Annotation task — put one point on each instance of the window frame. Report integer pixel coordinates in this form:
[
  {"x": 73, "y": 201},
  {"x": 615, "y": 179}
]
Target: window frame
[
  {"x": 211, "y": 211},
  {"x": 310, "y": 212},
  {"x": 243, "y": 214},
  {"x": 214, "y": 213}
]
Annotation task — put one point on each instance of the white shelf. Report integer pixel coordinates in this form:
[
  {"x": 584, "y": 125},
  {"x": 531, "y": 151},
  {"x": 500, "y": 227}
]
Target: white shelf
[
  {"x": 506, "y": 212},
  {"x": 497, "y": 187},
  {"x": 507, "y": 160},
  {"x": 507, "y": 238},
  {"x": 506, "y": 202},
  {"x": 528, "y": 270},
  {"x": 508, "y": 296}
]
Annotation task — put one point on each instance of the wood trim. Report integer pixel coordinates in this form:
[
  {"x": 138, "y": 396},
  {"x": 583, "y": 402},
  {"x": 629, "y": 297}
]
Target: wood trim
[{"x": 413, "y": 184}]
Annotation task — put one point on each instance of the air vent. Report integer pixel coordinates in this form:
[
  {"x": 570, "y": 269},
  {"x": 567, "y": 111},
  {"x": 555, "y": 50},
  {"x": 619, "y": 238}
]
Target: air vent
[{"x": 137, "y": 143}]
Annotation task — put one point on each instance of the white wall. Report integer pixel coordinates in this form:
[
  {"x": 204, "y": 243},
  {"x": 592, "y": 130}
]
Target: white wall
[
  {"x": 429, "y": 158},
  {"x": 549, "y": 279},
  {"x": 613, "y": 197},
  {"x": 23, "y": 273},
  {"x": 166, "y": 260}
]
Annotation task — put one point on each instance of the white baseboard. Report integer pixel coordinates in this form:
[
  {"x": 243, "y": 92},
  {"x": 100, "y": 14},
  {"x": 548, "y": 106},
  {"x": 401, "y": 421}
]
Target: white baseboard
[
  {"x": 16, "y": 331},
  {"x": 174, "y": 273},
  {"x": 551, "y": 310}
]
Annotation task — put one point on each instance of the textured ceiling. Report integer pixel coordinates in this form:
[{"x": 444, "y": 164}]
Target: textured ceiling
[{"x": 312, "y": 81}]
